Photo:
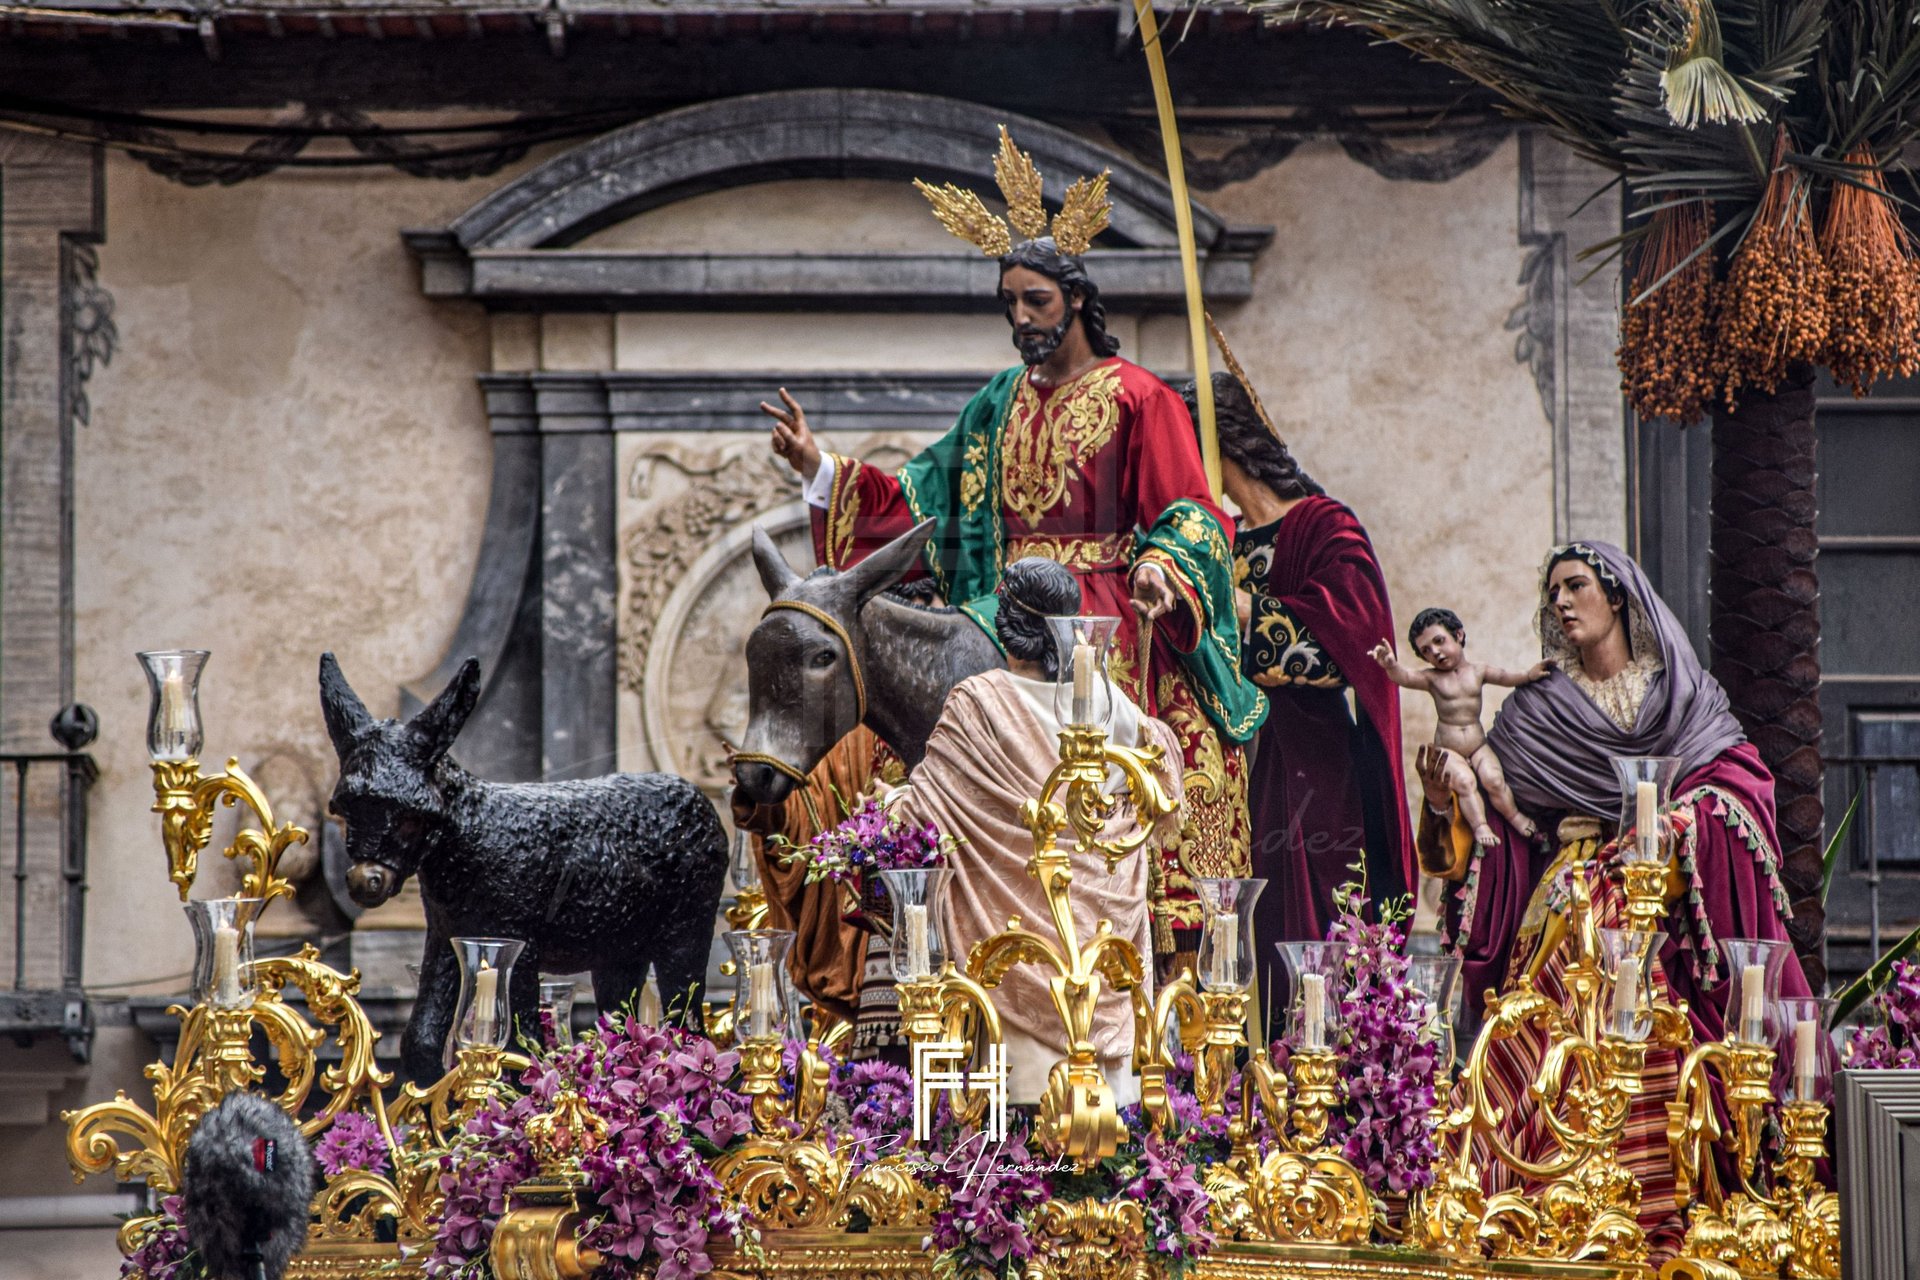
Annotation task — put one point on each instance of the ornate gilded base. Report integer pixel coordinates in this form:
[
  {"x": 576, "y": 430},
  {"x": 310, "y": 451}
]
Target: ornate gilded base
[
  {"x": 1333, "y": 1262},
  {"x": 351, "y": 1260},
  {"x": 899, "y": 1255},
  {"x": 831, "y": 1255}
]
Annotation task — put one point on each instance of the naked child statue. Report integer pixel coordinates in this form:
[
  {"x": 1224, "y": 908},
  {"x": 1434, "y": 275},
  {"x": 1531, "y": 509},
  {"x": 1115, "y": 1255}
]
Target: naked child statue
[{"x": 1456, "y": 686}]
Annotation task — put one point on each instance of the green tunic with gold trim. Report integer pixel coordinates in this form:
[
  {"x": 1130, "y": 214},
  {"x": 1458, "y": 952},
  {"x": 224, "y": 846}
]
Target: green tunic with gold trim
[{"x": 1102, "y": 474}]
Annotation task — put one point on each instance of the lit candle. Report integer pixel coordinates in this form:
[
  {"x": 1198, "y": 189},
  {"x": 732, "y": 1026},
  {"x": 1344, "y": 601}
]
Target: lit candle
[
  {"x": 486, "y": 995},
  {"x": 1313, "y": 991},
  {"x": 1805, "y": 1068},
  {"x": 176, "y": 728},
  {"x": 918, "y": 963},
  {"x": 648, "y": 1010},
  {"x": 226, "y": 966},
  {"x": 1646, "y": 799},
  {"x": 760, "y": 998},
  {"x": 1083, "y": 684},
  {"x": 1753, "y": 1003},
  {"x": 1626, "y": 996},
  {"x": 1226, "y": 951}
]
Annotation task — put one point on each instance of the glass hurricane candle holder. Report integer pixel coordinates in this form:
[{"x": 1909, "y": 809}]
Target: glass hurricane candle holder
[
  {"x": 223, "y": 950},
  {"x": 556, "y": 1013},
  {"x": 1438, "y": 979},
  {"x": 918, "y": 947},
  {"x": 1752, "y": 969},
  {"x": 1082, "y": 691},
  {"x": 1805, "y": 1054},
  {"x": 1317, "y": 977},
  {"x": 483, "y": 1018},
  {"x": 762, "y": 1006},
  {"x": 1629, "y": 1011},
  {"x": 173, "y": 705},
  {"x": 1646, "y": 794},
  {"x": 744, "y": 868},
  {"x": 1226, "y": 958}
]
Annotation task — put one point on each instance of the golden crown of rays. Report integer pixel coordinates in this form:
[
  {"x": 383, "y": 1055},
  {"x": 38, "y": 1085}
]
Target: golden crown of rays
[
  {"x": 1240, "y": 376},
  {"x": 1084, "y": 211}
]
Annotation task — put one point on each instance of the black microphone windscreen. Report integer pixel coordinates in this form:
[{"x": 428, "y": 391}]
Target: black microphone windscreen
[{"x": 245, "y": 1192}]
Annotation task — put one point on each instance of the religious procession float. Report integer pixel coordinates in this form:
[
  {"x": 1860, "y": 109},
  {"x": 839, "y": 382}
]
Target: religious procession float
[
  {"x": 1095, "y": 1069},
  {"x": 1349, "y": 1146}
]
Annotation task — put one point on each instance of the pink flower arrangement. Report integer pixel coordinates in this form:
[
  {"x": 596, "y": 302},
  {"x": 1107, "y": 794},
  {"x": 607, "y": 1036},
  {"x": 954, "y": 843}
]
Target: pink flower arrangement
[
  {"x": 352, "y": 1141},
  {"x": 869, "y": 840},
  {"x": 654, "y": 1201},
  {"x": 1387, "y": 1061},
  {"x": 1893, "y": 1041},
  {"x": 165, "y": 1253}
]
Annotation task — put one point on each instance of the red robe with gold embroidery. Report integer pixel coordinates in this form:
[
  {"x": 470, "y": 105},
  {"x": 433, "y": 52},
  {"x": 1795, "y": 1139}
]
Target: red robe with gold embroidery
[{"x": 1083, "y": 465}]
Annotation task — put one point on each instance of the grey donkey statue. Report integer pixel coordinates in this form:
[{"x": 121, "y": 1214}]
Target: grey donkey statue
[
  {"x": 606, "y": 874},
  {"x": 832, "y": 651}
]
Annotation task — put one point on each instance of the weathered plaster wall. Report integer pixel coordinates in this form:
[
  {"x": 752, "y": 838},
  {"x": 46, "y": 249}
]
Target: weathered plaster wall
[
  {"x": 287, "y": 455},
  {"x": 1377, "y": 340}
]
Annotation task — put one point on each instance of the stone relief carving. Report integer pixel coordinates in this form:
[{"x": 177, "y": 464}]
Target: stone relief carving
[
  {"x": 1535, "y": 316},
  {"x": 729, "y": 486},
  {"x": 691, "y": 592},
  {"x": 92, "y": 335}
]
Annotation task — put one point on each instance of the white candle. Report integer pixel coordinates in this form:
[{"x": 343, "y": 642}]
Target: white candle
[
  {"x": 1313, "y": 993},
  {"x": 1226, "y": 951},
  {"x": 486, "y": 994},
  {"x": 760, "y": 998},
  {"x": 1806, "y": 1069},
  {"x": 1753, "y": 1003},
  {"x": 648, "y": 1010},
  {"x": 918, "y": 963},
  {"x": 1647, "y": 819},
  {"x": 1626, "y": 996},
  {"x": 1082, "y": 683},
  {"x": 175, "y": 727},
  {"x": 226, "y": 966}
]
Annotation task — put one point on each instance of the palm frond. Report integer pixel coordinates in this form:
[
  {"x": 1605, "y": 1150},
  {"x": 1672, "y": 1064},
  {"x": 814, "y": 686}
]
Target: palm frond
[{"x": 1696, "y": 85}]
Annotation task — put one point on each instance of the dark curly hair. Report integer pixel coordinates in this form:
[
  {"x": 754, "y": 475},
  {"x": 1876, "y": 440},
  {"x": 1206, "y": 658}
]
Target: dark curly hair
[
  {"x": 1246, "y": 440},
  {"x": 1044, "y": 256},
  {"x": 1032, "y": 590},
  {"x": 1431, "y": 617}
]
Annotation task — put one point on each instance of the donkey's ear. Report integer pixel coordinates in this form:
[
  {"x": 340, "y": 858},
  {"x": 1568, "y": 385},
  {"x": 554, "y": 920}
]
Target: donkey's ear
[
  {"x": 776, "y": 575},
  {"x": 886, "y": 566},
  {"x": 346, "y": 715},
  {"x": 441, "y": 720}
]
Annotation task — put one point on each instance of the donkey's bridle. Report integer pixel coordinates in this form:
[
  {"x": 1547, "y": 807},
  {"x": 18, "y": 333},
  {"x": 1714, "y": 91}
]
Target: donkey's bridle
[{"x": 832, "y": 624}]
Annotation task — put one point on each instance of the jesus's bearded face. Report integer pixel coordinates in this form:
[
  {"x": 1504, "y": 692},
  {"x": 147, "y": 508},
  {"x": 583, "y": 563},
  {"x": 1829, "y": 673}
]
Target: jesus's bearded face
[{"x": 1039, "y": 310}]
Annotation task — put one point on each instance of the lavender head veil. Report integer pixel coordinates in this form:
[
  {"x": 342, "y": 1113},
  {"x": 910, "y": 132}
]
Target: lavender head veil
[{"x": 1557, "y": 747}]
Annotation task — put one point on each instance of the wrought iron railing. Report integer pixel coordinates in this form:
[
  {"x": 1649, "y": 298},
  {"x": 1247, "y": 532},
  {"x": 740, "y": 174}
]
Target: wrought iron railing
[{"x": 39, "y": 1000}]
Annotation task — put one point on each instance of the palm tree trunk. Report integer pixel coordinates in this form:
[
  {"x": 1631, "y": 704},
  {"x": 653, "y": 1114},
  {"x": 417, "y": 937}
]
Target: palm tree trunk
[{"x": 1765, "y": 621}]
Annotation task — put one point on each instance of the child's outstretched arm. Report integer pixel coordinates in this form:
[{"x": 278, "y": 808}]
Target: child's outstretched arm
[
  {"x": 1514, "y": 679},
  {"x": 1397, "y": 672}
]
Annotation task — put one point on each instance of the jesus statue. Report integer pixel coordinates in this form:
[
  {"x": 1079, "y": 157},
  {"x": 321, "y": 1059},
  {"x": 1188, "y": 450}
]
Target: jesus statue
[{"x": 1087, "y": 459}]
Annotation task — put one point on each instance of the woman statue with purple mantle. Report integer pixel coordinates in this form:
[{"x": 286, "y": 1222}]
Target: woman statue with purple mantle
[{"x": 1627, "y": 683}]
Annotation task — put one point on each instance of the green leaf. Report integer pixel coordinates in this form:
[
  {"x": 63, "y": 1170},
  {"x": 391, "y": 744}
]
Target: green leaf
[
  {"x": 1831, "y": 857},
  {"x": 1868, "y": 984}
]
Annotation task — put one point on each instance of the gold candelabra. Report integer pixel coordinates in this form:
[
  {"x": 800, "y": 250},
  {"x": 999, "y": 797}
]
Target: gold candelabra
[
  {"x": 1583, "y": 1204},
  {"x": 1078, "y": 1118},
  {"x": 215, "y": 1057},
  {"x": 1787, "y": 1225}
]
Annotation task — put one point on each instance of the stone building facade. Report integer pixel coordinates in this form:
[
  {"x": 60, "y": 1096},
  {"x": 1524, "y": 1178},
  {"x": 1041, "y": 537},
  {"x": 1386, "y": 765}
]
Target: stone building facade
[{"x": 511, "y": 414}]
